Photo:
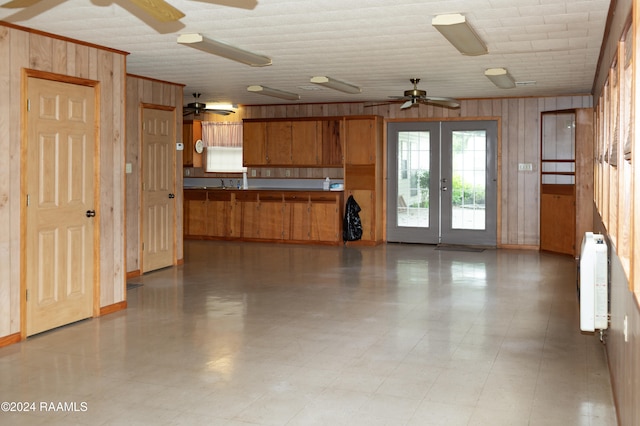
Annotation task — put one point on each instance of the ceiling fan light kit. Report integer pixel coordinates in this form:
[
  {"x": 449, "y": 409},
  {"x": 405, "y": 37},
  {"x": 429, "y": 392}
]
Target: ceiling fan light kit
[
  {"x": 198, "y": 41},
  {"x": 500, "y": 77},
  {"x": 455, "y": 28},
  {"x": 332, "y": 83},
  {"x": 197, "y": 107},
  {"x": 268, "y": 91},
  {"x": 221, "y": 109}
]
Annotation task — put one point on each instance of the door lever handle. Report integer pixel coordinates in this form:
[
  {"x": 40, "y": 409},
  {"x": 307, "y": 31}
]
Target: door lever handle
[
  {"x": 90, "y": 213},
  {"x": 444, "y": 188},
  {"x": 172, "y": 196}
]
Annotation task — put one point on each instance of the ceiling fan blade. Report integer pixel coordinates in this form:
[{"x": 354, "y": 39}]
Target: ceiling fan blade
[
  {"x": 377, "y": 104},
  {"x": 159, "y": 9},
  {"x": 241, "y": 4},
  {"x": 408, "y": 104},
  {"x": 158, "y": 26},
  {"x": 19, "y": 4},
  {"x": 447, "y": 102}
]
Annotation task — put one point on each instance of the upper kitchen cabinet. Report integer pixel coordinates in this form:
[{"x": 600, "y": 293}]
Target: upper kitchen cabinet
[
  {"x": 191, "y": 132},
  {"x": 305, "y": 143},
  {"x": 278, "y": 143},
  {"x": 331, "y": 144},
  {"x": 362, "y": 135},
  {"x": 298, "y": 142},
  {"x": 254, "y": 134}
]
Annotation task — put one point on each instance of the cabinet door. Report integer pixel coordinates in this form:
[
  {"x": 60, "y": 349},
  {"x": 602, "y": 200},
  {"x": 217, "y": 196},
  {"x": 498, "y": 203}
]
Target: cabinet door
[
  {"x": 557, "y": 231},
  {"x": 360, "y": 141},
  {"x": 195, "y": 213},
  {"x": 300, "y": 224},
  {"x": 332, "y": 144},
  {"x": 366, "y": 201},
  {"x": 187, "y": 140},
  {"x": 271, "y": 220},
  {"x": 235, "y": 218},
  {"x": 325, "y": 221},
  {"x": 217, "y": 213},
  {"x": 253, "y": 143},
  {"x": 304, "y": 143},
  {"x": 278, "y": 144},
  {"x": 250, "y": 219}
]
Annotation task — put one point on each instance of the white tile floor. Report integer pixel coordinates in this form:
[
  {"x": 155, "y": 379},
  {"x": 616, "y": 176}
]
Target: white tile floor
[{"x": 261, "y": 334}]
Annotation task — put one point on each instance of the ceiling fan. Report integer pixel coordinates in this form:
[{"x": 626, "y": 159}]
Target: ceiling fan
[
  {"x": 417, "y": 96},
  {"x": 197, "y": 107},
  {"x": 160, "y": 10}
]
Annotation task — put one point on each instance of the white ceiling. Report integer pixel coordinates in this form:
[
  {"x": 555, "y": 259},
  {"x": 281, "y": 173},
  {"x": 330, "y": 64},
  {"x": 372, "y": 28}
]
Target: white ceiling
[{"x": 375, "y": 44}]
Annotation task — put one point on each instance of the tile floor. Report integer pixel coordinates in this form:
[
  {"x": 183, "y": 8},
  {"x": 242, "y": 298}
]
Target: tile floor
[{"x": 261, "y": 334}]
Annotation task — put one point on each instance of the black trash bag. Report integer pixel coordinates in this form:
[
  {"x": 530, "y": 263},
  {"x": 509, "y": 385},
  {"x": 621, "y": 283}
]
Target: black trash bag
[{"x": 352, "y": 227}]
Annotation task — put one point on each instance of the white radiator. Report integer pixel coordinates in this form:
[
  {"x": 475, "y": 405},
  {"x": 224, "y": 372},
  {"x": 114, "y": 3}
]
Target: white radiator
[{"x": 594, "y": 297}]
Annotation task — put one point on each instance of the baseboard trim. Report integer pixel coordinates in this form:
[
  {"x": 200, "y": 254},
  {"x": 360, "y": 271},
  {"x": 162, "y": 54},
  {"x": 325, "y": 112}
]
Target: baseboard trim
[
  {"x": 10, "y": 339},
  {"x": 133, "y": 274},
  {"x": 116, "y": 307},
  {"x": 518, "y": 246}
]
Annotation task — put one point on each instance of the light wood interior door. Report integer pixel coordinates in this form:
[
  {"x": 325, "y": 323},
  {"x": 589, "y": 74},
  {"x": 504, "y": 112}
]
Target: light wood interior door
[
  {"x": 158, "y": 189},
  {"x": 60, "y": 213}
]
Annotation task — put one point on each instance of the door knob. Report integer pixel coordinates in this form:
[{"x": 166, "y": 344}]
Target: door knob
[
  {"x": 444, "y": 188},
  {"x": 172, "y": 196},
  {"x": 90, "y": 213}
]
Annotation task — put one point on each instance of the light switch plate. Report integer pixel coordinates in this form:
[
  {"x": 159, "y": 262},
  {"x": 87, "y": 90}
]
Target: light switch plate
[
  {"x": 127, "y": 168},
  {"x": 525, "y": 167}
]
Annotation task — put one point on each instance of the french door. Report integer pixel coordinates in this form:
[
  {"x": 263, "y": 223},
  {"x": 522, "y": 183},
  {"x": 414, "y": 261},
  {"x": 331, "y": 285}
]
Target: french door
[{"x": 442, "y": 185}]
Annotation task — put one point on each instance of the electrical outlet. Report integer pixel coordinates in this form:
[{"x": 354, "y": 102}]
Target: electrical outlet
[
  {"x": 127, "y": 168},
  {"x": 253, "y": 172},
  {"x": 267, "y": 173},
  {"x": 287, "y": 173}
]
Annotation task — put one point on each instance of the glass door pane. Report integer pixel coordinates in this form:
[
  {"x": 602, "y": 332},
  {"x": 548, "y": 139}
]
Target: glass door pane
[
  {"x": 468, "y": 185},
  {"x": 414, "y": 156}
]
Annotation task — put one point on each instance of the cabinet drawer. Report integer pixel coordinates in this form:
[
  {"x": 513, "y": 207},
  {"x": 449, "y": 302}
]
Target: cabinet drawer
[{"x": 195, "y": 195}]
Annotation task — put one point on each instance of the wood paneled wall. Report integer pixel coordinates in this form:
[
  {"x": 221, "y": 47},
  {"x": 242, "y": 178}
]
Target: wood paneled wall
[
  {"x": 617, "y": 198},
  {"x": 148, "y": 91},
  {"x": 21, "y": 49},
  {"x": 519, "y": 198}
]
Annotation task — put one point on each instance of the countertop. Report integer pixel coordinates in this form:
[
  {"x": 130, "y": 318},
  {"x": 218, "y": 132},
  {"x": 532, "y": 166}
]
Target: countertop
[{"x": 258, "y": 188}]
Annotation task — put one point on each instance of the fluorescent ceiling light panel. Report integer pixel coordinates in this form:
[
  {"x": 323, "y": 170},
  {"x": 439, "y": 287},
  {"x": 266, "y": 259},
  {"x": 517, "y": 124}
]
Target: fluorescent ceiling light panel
[
  {"x": 455, "y": 28},
  {"x": 500, "y": 77},
  {"x": 336, "y": 84},
  {"x": 197, "y": 41},
  {"x": 268, "y": 91}
]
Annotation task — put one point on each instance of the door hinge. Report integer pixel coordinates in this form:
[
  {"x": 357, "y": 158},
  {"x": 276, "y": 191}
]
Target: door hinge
[
  {"x": 28, "y": 200},
  {"x": 27, "y": 295},
  {"x": 28, "y": 105},
  {"x": 142, "y": 246}
]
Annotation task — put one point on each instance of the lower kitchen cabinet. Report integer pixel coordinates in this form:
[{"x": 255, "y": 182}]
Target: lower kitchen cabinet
[
  {"x": 279, "y": 216},
  {"x": 195, "y": 213},
  {"x": 218, "y": 203}
]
